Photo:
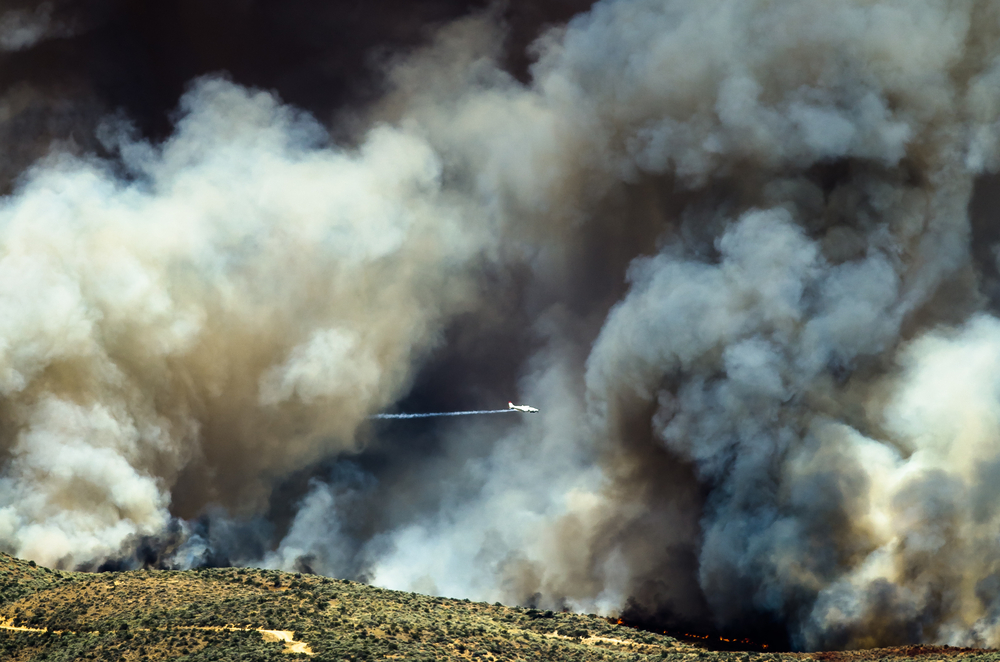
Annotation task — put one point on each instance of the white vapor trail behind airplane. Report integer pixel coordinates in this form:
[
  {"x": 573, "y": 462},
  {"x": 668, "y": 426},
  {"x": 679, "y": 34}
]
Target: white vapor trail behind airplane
[{"x": 445, "y": 413}]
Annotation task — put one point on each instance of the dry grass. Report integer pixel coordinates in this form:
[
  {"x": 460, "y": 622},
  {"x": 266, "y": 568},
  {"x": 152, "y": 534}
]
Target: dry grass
[{"x": 252, "y": 615}]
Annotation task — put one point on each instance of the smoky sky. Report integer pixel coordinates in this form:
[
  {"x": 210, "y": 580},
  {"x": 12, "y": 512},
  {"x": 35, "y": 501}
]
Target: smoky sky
[
  {"x": 742, "y": 255},
  {"x": 67, "y": 65}
]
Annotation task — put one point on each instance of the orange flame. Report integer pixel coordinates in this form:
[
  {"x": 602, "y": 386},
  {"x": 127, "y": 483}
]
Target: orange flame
[{"x": 745, "y": 642}]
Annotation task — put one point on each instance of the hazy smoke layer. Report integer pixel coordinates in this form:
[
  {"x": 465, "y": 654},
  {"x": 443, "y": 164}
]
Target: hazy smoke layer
[
  {"x": 20, "y": 28},
  {"x": 725, "y": 247}
]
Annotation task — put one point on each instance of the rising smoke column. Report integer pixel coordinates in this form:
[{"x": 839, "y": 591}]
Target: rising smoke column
[
  {"x": 770, "y": 362},
  {"x": 813, "y": 175},
  {"x": 736, "y": 232},
  {"x": 178, "y": 338}
]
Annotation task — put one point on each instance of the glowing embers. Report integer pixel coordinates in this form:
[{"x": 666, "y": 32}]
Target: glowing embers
[{"x": 709, "y": 641}]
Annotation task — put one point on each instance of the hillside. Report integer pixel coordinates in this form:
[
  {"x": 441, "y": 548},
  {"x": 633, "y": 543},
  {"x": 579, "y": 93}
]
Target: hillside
[{"x": 254, "y": 615}]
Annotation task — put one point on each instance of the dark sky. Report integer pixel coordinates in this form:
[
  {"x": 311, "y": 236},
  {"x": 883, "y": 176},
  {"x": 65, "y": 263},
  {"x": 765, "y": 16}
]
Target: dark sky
[{"x": 136, "y": 57}]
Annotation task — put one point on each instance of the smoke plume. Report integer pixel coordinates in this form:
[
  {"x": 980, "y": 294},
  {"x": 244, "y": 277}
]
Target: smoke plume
[{"x": 742, "y": 255}]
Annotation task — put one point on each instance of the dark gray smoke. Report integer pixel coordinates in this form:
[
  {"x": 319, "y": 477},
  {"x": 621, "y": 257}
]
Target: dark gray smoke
[{"x": 741, "y": 254}]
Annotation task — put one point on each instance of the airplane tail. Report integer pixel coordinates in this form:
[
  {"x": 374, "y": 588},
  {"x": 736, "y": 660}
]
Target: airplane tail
[{"x": 510, "y": 405}]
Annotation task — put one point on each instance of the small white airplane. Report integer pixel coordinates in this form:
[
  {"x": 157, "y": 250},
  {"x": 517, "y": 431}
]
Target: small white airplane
[{"x": 525, "y": 408}]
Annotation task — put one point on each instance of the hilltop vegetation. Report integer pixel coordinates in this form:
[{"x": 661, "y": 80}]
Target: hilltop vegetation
[
  {"x": 254, "y": 615},
  {"x": 220, "y": 614}
]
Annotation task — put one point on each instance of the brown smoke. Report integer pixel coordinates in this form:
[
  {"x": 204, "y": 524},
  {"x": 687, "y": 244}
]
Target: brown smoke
[{"x": 741, "y": 254}]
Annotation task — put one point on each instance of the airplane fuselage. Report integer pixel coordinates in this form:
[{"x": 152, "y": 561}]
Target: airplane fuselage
[{"x": 525, "y": 408}]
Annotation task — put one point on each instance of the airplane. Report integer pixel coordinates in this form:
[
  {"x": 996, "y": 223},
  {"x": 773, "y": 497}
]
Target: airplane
[{"x": 525, "y": 408}]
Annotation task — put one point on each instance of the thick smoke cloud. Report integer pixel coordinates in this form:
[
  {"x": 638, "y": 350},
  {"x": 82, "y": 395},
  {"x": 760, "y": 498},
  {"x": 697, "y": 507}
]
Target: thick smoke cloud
[
  {"x": 740, "y": 254},
  {"x": 239, "y": 282}
]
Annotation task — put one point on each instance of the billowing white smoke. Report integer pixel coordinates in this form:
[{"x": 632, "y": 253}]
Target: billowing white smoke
[
  {"x": 789, "y": 417},
  {"x": 228, "y": 313}
]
